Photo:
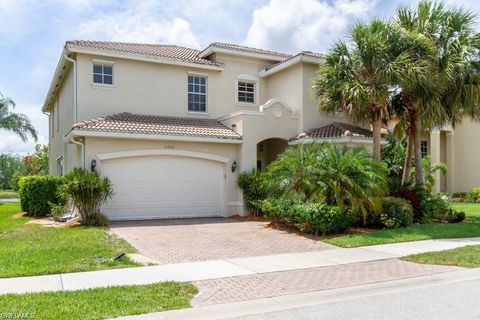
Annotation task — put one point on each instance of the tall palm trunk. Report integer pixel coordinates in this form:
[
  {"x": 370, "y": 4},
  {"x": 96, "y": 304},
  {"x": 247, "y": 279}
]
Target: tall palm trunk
[
  {"x": 418, "y": 154},
  {"x": 377, "y": 136},
  {"x": 408, "y": 160}
]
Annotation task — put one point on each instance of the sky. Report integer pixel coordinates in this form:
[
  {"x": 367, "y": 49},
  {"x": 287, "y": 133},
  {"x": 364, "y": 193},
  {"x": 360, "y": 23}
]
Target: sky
[{"x": 33, "y": 32}]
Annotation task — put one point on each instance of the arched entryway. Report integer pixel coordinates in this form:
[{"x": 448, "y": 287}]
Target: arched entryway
[{"x": 268, "y": 150}]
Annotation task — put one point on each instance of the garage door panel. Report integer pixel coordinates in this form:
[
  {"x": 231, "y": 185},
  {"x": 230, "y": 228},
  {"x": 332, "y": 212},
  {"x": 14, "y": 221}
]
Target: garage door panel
[{"x": 164, "y": 187}]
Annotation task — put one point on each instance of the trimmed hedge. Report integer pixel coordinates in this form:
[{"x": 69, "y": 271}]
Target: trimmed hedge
[
  {"x": 37, "y": 193},
  {"x": 311, "y": 217}
]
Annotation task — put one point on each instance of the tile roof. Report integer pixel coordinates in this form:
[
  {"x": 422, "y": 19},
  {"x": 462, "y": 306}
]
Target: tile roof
[
  {"x": 148, "y": 124},
  {"x": 308, "y": 54},
  {"x": 335, "y": 130},
  {"x": 148, "y": 50},
  {"x": 237, "y": 47}
]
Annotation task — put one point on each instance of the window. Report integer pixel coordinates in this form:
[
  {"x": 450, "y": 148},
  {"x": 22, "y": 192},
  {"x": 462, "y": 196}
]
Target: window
[
  {"x": 103, "y": 73},
  {"x": 424, "y": 148},
  {"x": 246, "y": 92},
  {"x": 197, "y": 93}
]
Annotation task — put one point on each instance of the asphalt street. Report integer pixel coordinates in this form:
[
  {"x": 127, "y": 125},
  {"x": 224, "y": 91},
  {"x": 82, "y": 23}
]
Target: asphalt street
[{"x": 460, "y": 300}]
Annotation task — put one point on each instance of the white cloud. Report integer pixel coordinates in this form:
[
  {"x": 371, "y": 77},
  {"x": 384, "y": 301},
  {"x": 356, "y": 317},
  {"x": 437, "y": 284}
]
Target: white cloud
[
  {"x": 140, "y": 23},
  {"x": 291, "y": 25}
]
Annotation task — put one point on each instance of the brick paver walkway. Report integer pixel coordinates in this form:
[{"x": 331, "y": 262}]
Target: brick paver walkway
[
  {"x": 187, "y": 240},
  {"x": 273, "y": 284}
]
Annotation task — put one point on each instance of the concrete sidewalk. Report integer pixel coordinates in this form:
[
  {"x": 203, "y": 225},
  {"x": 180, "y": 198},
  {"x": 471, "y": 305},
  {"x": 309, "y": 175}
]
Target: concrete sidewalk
[{"x": 215, "y": 269}]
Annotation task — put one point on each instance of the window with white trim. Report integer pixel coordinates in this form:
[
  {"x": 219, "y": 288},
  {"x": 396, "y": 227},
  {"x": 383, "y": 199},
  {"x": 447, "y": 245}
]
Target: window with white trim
[
  {"x": 424, "y": 148},
  {"x": 246, "y": 91},
  {"x": 103, "y": 73},
  {"x": 197, "y": 93}
]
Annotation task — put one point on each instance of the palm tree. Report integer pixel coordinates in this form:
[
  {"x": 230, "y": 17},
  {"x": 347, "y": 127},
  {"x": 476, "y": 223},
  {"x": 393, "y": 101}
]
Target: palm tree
[
  {"x": 357, "y": 78},
  {"x": 295, "y": 173},
  {"x": 352, "y": 177},
  {"x": 15, "y": 122},
  {"x": 326, "y": 172},
  {"x": 453, "y": 87}
]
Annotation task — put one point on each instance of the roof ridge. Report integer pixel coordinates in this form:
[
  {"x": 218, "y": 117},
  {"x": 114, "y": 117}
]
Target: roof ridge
[
  {"x": 73, "y": 41},
  {"x": 241, "y": 46}
]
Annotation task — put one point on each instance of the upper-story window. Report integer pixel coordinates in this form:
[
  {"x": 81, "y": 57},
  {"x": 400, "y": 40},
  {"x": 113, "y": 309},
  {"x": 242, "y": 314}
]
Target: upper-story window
[
  {"x": 103, "y": 73},
  {"x": 197, "y": 93},
  {"x": 246, "y": 92},
  {"x": 246, "y": 89}
]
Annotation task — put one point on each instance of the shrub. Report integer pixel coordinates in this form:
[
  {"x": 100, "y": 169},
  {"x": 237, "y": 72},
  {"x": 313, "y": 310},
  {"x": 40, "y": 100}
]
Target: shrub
[
  {"x": 87, "y": 191},
  {"x": 253, "y": 189},
  {"x": 58, "y": 210},
  {"x": 37, "y": 193},
  {"x": 326, "y": 172},
  {"x": 396, "y": 212},
  {"x": 459, "y": 195},
  {"x": 438, "y": 209},
  {"x": 417, "y": 198},
  {"x": 315, "y": 218},
  {"x": 475, "y": 195}
]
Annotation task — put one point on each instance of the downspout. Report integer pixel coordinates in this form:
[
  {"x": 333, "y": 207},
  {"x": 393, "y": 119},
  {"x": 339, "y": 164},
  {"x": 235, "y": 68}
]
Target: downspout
[
  {"x": 82, "y": 147},
  {"x": 74, "y": 86}
]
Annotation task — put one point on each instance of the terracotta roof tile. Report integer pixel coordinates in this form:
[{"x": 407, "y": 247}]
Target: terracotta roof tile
[
  {"x": 152, "y": 50},
  {"x": 149, "y": 124},
  {"x": 335, "y": 130},
  {"x": 237, "y": 47},
  {"x": 309, "y": 54}
]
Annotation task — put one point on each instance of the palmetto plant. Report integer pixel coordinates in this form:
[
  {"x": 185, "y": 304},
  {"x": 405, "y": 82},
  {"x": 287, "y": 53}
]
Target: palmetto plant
[
  {"x": 295, "y": 173},
  {"x": 358, "y": 77},
  {"x": 86, "y": 191},
  {"x": 15, "y": 122},
  {"x": 327, "y": 172},
  {"x": 352, "y": 177},
  {"x": 429, "y": 171}
]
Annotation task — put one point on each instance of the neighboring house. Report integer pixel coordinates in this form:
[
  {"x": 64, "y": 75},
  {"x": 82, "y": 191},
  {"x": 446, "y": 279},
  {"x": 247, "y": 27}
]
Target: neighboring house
[{"x": 172, "y": 126}]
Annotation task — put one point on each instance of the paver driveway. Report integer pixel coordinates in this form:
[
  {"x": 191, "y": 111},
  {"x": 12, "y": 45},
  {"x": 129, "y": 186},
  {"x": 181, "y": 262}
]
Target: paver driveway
[{"x": 187, "y": 240}]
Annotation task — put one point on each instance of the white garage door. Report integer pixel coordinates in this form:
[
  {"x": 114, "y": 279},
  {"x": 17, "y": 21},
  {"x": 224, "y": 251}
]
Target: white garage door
[{"x": 153, "y": 187}]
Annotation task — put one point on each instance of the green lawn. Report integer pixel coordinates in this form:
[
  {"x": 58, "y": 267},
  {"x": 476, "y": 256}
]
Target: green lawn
[
  {"x": 27, "y": 250},
  {"x": 470, "y": 228},
  {"x": 8, "y": 194},
  {"x": 101, "y": 303},
  {"x": 468, "y": 257}
]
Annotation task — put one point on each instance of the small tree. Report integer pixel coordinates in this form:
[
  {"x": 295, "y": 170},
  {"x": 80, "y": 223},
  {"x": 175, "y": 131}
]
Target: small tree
[
  {"x": 253, "y": 189},
  {"x": 37, "y": 163},
  {"x": 87, "y": 191}
]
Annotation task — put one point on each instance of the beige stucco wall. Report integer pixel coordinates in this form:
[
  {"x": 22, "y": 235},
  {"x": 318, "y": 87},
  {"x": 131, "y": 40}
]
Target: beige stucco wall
[
  {"x": 95, "y": 146},
  {"x": 310, "y": 116},
  {"x": 466, "y": 158},
  {"x": 287, "y": 86},
  {"x": 160, "y": 89},
  {"x": 64, "y": 109}
]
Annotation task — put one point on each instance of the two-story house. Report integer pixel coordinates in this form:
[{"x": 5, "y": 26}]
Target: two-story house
[{"x": 172, "y": 126}]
